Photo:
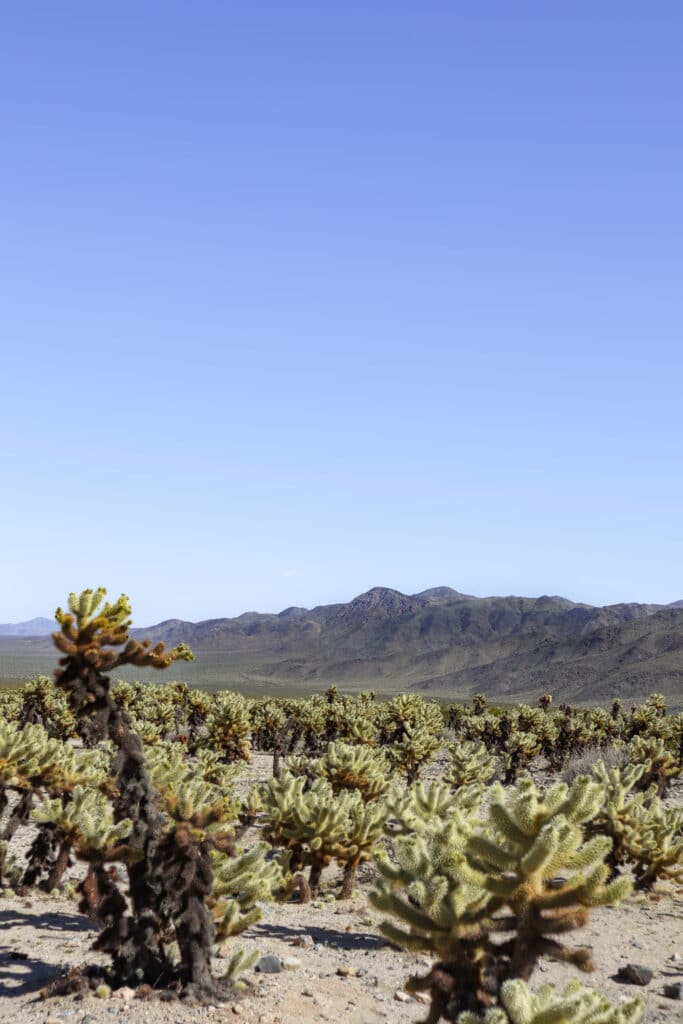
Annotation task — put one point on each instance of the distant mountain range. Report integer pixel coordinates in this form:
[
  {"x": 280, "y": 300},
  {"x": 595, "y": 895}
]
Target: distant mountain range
[
  {"x": 34, "y": 627},
  {"x": 439, "y": 642}
]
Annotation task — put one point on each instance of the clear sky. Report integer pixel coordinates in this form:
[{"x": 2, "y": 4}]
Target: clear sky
[{"x": 299, "y": 298}]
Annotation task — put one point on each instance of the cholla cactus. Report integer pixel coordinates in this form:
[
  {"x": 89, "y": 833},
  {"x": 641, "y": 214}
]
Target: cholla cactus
[
  {"x": 411, "y": 810},
  {"x": 267, "y": 719},
  {"x": 85, "y": 824},
  {"x": 318, "y": 826},
  {"x": 364, "y": 828},
  {"x": 460, "y": 886},
  {"x": 348, "y": 767},
  {"x": 661, "y": 765},
  {"x": 230, "y": 727},
  {"x": 620, "y": 807},
  {"x": 653, "y": 840},
  {"x": 43, "y": 704},
  {"x": 643, "y": 832},
  {"x": 469, "y": 762},
  {"x": 241, "y": 884},
  {"x": 575, "y": 1004},
  {"x": 171, "y": 874},
  {"x": 519, "y": 751},
  {"x": 415, "y": 749}
]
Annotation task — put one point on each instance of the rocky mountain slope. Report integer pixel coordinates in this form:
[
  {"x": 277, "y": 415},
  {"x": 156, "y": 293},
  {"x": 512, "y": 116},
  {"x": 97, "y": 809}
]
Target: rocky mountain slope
[{"x": 441, "y": 642}]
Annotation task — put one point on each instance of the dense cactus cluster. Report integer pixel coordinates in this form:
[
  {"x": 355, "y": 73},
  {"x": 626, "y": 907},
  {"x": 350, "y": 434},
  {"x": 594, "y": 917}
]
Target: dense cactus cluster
[{"x": 477, "y": 865}]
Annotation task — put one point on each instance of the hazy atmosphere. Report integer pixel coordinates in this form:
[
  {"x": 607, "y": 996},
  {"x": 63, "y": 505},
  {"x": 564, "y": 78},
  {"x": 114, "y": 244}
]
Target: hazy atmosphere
[{"x": 302, "y": 299}]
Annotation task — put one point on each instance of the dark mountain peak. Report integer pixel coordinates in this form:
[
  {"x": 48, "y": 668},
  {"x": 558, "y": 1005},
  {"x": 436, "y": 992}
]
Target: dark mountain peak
[
  {"x": 384, "y": 601},
  {"x": 554, "y": 602},
  {"x": 443, "y": 595},
  {"x": 293, "y": 612}
]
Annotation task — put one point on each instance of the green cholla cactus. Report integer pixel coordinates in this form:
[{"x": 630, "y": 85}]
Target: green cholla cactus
[
  {"x": 469, "y": 762},
  {"x": 576, "y": 1004},
  {"x": 460, "y": 887},
  {"x": 43, "y": 704},
  {"x": 267, "y": 719},
  {"x": 230, "y": 727},
  {"x": 412, "y": 809},
  {"x": 661, "y": 765},
  {"x": 653, "y": 841},
  {"x": 348, "y": 767},
  {"x": 415, "y": 749},
  {"x": 620, "y": 807},
  {"x": 87, "y": 824},
  {"x": 519, "y": 750},
  {"x": 318, "y": 826},
  {"x": 241, "y": 884}
]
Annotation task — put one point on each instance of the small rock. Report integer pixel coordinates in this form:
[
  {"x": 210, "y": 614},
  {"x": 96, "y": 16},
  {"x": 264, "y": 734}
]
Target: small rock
[
  {"x": 676, "y": 957},
  {"x": 52, "y": 1020},
  {"x": 637, "y": 974},
  {"x": 269, "y": 965},
  {"x": 347, "y": 971},
  {"x": 674, "y": 991},
  {"x": 304, "y": 941},
  {"x": 307, "y": 992},
  {"x": 291, "y": 963},
  {"x": 125, "y": 993},
  {"x": 401, "y": 997},
  {"x": 237, "y": 1010}
]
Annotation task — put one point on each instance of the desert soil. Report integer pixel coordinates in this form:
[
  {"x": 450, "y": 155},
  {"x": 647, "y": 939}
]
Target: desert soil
[{"x": 340, "y": 967}]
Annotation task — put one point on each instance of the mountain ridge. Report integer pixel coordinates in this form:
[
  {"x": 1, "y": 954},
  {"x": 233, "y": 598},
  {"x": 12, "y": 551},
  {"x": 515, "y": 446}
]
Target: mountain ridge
[{"x": 438, "y": 641}]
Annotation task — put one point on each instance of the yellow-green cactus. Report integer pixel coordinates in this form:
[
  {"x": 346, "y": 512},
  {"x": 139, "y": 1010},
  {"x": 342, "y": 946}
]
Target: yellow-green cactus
[
  {"x": 575, "y": 1004},
  {"x": 489, "y": 897}
]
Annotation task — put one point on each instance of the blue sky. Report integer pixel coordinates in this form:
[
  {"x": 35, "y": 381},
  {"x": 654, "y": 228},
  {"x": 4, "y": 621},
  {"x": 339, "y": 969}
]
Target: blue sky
[{"x": 303, "y": 298}]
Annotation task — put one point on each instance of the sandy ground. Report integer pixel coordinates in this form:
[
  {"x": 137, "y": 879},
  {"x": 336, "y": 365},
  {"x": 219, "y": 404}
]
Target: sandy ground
[{"x": 344, "y": 971}]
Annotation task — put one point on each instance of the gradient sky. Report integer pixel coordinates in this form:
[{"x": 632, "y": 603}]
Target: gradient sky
[{"x": 301, "y": 298}]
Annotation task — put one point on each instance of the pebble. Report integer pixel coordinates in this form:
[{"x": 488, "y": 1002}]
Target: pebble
[
  {"x": 401, "y": 997},
  {"x": 307, "y": 992},
  {"x": 291, "y": 963},
  {"x": 237, "y": 1010},
  {"x": 269, "y": 965},
  {"x": 674, "y": 991},
  {"x": 305, "y": 941},
  {"x": 347, "y": 971},
  {"x": 52, "y": 1020},
  {"x": 637, "y": 974},
  {"x": 125, "y": 993}
]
